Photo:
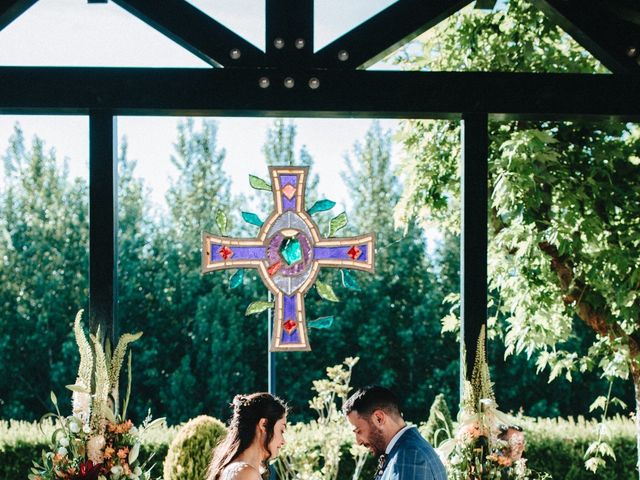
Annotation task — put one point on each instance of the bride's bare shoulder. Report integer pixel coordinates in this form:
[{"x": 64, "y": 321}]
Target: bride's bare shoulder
[{"x": 240, "y": 471}]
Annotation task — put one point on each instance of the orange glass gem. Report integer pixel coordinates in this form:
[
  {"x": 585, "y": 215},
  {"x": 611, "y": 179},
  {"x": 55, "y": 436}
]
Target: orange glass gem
[
  {"x": 289, "y": 326},
  {"x": 289, "y": 191},
  {"x": 274, "y": 268},
  {"x": 354, "y": 252},
  {"x": 225, "y": 252}
]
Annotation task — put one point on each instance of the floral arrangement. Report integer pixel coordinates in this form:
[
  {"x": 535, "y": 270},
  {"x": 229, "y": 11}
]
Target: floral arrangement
[
  {"x": 96, "y": 442},
  {"x": 487, "y": 445}
]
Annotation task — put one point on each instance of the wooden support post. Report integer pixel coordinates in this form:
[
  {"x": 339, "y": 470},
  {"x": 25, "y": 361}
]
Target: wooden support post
[
  {"x": 473, "y": 248},
  {"x": 103, "y": 222}
]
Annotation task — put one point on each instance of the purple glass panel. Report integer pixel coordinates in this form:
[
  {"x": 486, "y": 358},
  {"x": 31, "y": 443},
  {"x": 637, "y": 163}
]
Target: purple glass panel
[
  {"x": 239, "y": 253},
  {"x": 339, "y": 253},
  {"x": 292, "y": 179},
  {"x": 290, "y": 314}
]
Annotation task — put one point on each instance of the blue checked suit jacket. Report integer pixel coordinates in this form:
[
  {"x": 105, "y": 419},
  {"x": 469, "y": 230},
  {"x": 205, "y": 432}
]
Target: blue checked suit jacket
[{"x": 412, "y": 458}]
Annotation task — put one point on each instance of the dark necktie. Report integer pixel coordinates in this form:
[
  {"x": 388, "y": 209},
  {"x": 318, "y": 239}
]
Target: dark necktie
[{"x": 380, "y": 468}]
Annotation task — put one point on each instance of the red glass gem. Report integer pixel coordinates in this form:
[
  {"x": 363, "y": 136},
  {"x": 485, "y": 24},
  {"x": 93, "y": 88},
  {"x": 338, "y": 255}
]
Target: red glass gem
[
  {"x": 225, "y": 252},
  {"x": 274, "y": 268},
  {"x": 289, "y": 191},
  {"x": 354, "y": 252},
  {"x": 289, "y": 326}
]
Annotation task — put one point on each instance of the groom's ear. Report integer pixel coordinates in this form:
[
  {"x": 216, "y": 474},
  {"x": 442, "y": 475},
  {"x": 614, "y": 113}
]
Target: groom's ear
[{"x": 378, "y": 417}]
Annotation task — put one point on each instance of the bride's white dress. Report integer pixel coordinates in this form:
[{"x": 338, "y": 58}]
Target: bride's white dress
[{"x": 233, "y": 469}]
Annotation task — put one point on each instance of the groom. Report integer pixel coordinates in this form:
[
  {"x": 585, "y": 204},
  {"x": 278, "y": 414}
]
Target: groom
[{"x": 403, "y": 454}]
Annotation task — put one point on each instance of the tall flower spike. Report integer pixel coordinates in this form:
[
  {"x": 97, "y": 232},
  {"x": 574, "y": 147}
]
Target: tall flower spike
[
  {"x": 481, "y": 386},
  {"x": 101, "y": 411},
  {"x": 118, "y": 358},
  {"x": 86, "y": 354}
]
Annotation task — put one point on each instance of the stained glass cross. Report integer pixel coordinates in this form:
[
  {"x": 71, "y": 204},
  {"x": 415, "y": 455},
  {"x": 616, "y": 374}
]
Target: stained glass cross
[{"x": 288, "y": 253}]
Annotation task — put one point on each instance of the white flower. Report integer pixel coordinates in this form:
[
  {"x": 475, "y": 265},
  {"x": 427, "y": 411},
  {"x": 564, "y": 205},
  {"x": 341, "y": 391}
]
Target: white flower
[
  {"x": 455, "y": 460},
  {"x": 63, "y": 441},
  {"x": 137, "y": 471},
  {"x": 86, "y": 428},
  {"x": 62, "y": 451},
  {"x": 133, "y": 431},
  {"x": 81, "y": 405},
  {"x": 116, "y": 471},
  {"x": 74, "y": 426},
  {"x": 95, "y": 447}
]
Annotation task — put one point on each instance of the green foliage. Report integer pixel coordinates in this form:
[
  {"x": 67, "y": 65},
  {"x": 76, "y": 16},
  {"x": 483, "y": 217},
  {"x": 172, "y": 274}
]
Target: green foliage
[
  {"x": 190, "y": 452},
  {"x": 439, "y": 426},
  {"x": 43, "y": 250},
  {"x": 564, "y": 200}
]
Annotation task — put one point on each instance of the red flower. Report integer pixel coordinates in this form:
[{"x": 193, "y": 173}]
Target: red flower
[{"x": 89, "y": 471}]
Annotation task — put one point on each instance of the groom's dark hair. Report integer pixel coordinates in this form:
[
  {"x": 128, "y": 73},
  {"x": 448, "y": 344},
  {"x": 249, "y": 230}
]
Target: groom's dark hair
[{"x": 367, "y": 400}]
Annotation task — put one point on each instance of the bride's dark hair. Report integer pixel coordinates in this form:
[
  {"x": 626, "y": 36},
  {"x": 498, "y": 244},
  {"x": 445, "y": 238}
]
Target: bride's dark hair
[{"x": 247, "y": 412}]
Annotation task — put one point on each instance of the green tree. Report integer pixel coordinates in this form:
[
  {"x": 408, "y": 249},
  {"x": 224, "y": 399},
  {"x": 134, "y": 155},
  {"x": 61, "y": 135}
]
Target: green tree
[
  {"x": 43, "y": 246},
  {"x": 564, "y": 200}
]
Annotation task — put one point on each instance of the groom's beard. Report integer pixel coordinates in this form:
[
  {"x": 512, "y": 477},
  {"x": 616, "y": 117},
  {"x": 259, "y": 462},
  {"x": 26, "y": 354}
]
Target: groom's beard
[{"x": 375, "y": 442}]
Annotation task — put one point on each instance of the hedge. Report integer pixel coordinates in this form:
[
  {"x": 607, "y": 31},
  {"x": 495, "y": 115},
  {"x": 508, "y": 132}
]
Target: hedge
[{"x": 556, "y": 446}]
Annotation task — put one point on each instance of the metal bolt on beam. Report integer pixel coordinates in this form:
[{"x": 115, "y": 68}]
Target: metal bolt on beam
[
  {"x": 264, "y": 82},
  {"x": 289, "y": 82},
  {"x": 314, "y": 83},
  {"x": 299, "y": 43},
  {"x": 343, "y": 55},
  {"x": 235, "y": 53},
  {"x": 278, "y": 43}
]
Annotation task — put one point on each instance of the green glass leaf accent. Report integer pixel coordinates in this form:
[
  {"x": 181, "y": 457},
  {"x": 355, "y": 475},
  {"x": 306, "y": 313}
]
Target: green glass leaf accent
[
  {"x": 258, "y": 183},
  {"x": 322, "y": 323},
  {"x": 337, "y": 223},
  {"x": 326, "y": 292},
  {"x": 257, "y": 307},
  {"x": 349, "y": 280},
  {"x": 236, "y": 279},
  {"x": 252, "y": 218},
  {"x": 221, "y": 220},
  {"x": 321, "y": 206}
]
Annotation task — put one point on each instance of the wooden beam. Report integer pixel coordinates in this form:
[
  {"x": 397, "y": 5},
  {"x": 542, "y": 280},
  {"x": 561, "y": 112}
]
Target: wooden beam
[
  {"x": 611, "y": 39},
  {"x": 103, "y": 223},
  {"x": 195, "y": 31},
  {"x": 473, "y": 240},
  {"x": 289, "y": 32},
  {"x": 237, "y": 92},
  {"x": 385, "y": 32},
  {"x": 12, "y": 9}
]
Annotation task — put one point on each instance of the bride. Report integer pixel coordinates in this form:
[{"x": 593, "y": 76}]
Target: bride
[{"x": 255, "y": 436}]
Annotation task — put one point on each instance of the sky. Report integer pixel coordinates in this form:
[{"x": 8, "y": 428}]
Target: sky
[{"x": 75, "y": 33}]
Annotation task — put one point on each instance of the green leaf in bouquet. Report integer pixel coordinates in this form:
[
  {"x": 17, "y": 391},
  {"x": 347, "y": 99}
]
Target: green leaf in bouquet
[
  {"x": 252, "y": 218},
  {"x": 322, "y": 323},
  {"x": 125, "y": 405},
  {"x": 321, "y": 206},
  {"x": 78, "y": 388},
  {"x": 258, "y": 184},
  {"x": 221, "y": 221},
  {"x": 349, "y": 280},
  {"x": 337, "y": 223},
  {"x": 236, "y": 279},
  {"x": 108, "y": 414},
  {"x": 326, "y": 292},
  {"x": 133, "y": 454},
  {"x": 258, "y": 307},
  {"x": 158, "y": 422}
]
